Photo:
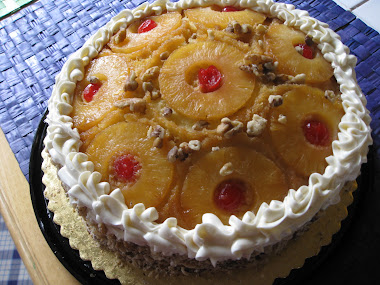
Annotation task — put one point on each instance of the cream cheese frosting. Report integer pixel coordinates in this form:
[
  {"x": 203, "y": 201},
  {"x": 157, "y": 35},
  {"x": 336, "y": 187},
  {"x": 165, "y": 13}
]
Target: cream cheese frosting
[{"x": 211, "y": 239}]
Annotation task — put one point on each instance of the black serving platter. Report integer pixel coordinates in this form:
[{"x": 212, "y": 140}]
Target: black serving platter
[{"x": 351, "y": 258}]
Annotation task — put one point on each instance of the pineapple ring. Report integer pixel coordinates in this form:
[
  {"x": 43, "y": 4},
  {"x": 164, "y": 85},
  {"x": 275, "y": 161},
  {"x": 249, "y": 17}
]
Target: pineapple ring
[
  {"x": 180, "y": 88},
  {"x": 112, "y": 71},
  {"x": 131, "y": 138},
  {"x": 280, "y": 40},
  {"x": 209, "y": 18},
  {"x": 133, "y": 41},
  {"x": 299, "y": 105},
  {"x": 264, "y": 180}
]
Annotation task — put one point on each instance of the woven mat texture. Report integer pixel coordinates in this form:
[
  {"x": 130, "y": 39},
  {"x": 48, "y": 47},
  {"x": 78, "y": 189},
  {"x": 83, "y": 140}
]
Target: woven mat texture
[{"x": 37, "y": 40}]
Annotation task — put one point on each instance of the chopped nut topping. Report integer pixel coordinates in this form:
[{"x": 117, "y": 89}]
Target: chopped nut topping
[
  {"x": 198, "y": 126},
  {"x": 184, "y": 150},
  {"x": 228, "y": 128},
  {"x": 282, "y": 119},
  {"x": 309, "y": 41},
  {"x": 135, "y": 104},
  {"x": 211, "y": 34},
  {"x": 261, "y": 29},
  {"x": 330, "y": 95},
  {"x": 235, "y": 27},
  {"x": 299, "y": 49},
  {"x": 251, "y": 68},
  {"x": 166, "y": 112},
  {"x": 195, "y": 145},
  {"x": 120, "y": 37},
  {"x": 158, "y": 142},
  {"x": 155, "y": 94},
  {"x": 215, "y": 148},
  {"x": 147, "y": 86},
  {"x": 256, "y": 126},
  {"x": 275, "y": 100},
  {"x": 94, "y": 80},
  {"x": 164, "y": 55},
  {"x": 150, "y": 73},
  {"x": 226, "y": 169},
  {"x": 298, "y": 79},
  {"x": 131, "y": 84},
  {"x": 177, "y": 153},
  {"x": 173, "y": 154},
  {"x": 157, "y": 132}
]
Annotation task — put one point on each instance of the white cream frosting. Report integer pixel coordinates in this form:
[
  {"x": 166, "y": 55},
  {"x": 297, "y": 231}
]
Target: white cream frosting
[{"x": 210, "y": 240}]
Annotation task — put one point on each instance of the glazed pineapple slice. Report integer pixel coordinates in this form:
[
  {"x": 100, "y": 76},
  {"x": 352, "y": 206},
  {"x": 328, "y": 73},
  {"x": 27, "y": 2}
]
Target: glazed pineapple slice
[
  {"x": 212, "y": 17},
  {"x": 303, "y": 128},
  {"x": 124, "y": 155},
  {"x": 294, "y": 56},
  {"x": 203, "y": 81},
  {"x": 230, "y": 181},
  {"x": 109, "y": 119},
  {"x": 97, "y": 93},
  {"x": 146, "y": 35}
]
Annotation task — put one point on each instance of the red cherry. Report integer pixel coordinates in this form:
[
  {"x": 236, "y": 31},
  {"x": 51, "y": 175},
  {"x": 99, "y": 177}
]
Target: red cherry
[
  {"x": 146, "y": 26},
  {"x": 126, "y": 168},
  {"x": 210, "y": 79},
  {"x": 90, "y": 91},
  {"x": 307, "y": 51},
  {"x": 230, "y": 9},
  {"x": 230, "y": 195},
  {"x": 316, "y": 133}
]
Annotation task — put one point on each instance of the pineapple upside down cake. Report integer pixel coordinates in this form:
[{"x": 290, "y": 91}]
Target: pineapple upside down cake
[{"x": 206, "y": 135}]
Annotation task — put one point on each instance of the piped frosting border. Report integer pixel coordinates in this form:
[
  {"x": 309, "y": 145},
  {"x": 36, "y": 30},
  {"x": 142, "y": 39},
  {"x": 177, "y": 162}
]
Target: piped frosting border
[{"x": 211, "y": 239}]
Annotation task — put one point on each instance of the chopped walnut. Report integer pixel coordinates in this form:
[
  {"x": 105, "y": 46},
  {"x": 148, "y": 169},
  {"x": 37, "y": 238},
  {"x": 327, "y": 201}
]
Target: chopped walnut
[
  {"x": 330, "y": 95},
  {"x": 131, "y": 84},
  {"x": 256, "y": 126},
  {"x": 275, "y": 100},
  {"x": 164, "y": 55},
  {"x": 135, "y": 104},
  {"x": 235, "y": 27},
  {"x": 215, "y": 148},
  {"x": 282, "y": 119},
  {"x": 298, "y": 79},
  {"x": 210, "y": 34},
  {"x": 158, "y": 142},
  {"x": 166, "y": 112},
  {"x": 94, "y": 80},
  {"x": 147, "y": 86},
  {"x": 309, "y": 41},
  {"x": 195, "y": 145},
  {"x": 120, "y": 37},
  {"x": 228, "y": 128},
  {"x": 200, "y": 125},
  {"x": 226, "y": 169},
  {"x": 261, "y": 29},
  {"x": 150, "y": 73},
  {"x": 177, "y": 154},
  {"x": 173, "y": 154},
  {"x": 250, "y": 68},
  {"x": 157, "y": 132}
]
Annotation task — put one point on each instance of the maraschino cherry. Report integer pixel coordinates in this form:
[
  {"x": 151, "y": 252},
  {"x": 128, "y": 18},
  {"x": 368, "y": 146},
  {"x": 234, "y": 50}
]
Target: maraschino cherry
[
  {"x": 90, "y": 90},
  {"x": 306, "y": 51},
  {"x": 230, "y": 195},
  {"x": 230, "y": 9},
  {"x": 126, "y": 168},
  {"x": 210, "y": 79},
  {"x": 146, "y": 26},
  {"x": 316, "y": 133}
]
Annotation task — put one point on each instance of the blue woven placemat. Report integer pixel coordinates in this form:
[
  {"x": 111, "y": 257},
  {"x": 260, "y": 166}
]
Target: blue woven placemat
[{"x": 36, "y": 41}]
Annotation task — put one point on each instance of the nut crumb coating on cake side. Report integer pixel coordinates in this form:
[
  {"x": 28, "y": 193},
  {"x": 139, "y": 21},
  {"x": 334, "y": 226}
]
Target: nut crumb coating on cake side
[{"x": 135, "y": 229}]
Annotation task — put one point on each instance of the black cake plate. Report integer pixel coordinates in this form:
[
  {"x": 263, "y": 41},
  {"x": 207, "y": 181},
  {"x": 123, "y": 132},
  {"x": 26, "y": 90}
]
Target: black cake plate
[{"x": 351, "y": 258}]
